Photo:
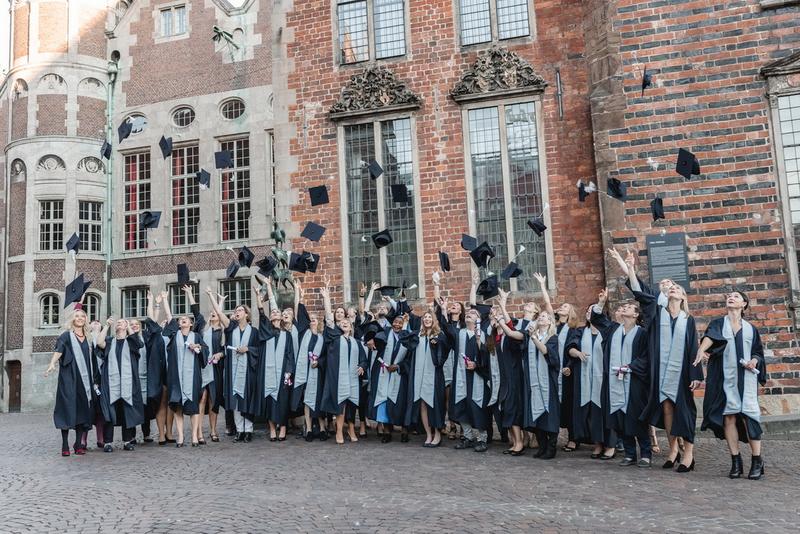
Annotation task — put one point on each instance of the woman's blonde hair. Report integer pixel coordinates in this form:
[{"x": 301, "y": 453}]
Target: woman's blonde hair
[
  {"x": 551, "y": 330},
  {"x": 573, "y": 321},
  {"x": 684, "y": 299},
  {"x": 69, "y": 325},
  {"x": 434, "y": 330}
]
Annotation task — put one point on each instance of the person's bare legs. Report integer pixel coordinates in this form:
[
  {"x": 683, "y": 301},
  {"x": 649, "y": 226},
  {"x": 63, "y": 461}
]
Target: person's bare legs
[
  {"x": 669, "y": 411},
  {"x": 178, "y": 419},
  {"x": 340, "y": 428},
  {"x": 423, "y": 411},
  {"x": 203, "y": 401},
  {"x": 194, "y": 422}
]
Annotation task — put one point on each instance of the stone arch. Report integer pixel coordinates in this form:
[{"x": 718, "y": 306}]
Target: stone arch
[
  {"x": 91, "y": 165},
  {"x": 51, "y": 163},
  {"x": 52, "y": 83},
  {"x": 91, "y": 87},
  {"x": 20, "y": 89}
]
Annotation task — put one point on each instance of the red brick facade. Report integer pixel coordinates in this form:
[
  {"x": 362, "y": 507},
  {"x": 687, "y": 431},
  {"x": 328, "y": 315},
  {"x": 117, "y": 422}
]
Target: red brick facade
[
  {"x": 51, "y": 115},
  {"x": 92, "y": 24},
  {"x": 53, "y": 27},
  {"x": 21, "y": 29},
  {"x": 19, "y": 118},
  {"x": 15, "y": 331},
  {"x": 91, "y": 117}
]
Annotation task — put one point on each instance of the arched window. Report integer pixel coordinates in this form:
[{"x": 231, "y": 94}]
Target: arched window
[
  {"x": 91, "y": 305},
  {"x": 183, "y": 116},
  {"x": 49, "y": 306},
  {"x": 232, "y": 108},
  {"x": 138, "y": 121}
]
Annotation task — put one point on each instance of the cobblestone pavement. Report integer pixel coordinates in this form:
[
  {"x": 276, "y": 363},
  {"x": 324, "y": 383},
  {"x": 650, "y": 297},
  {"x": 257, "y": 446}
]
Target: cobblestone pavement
[{"x": 368, "y": 487}]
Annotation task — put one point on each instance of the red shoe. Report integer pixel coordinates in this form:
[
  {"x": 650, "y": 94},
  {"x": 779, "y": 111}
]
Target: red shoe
[
  {"x": 80, "y": 451},
  {"x": 65, "y": 453}
]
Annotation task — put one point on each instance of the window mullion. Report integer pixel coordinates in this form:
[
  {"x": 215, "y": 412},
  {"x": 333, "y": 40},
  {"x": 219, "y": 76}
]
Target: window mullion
[
  {"x": 493, "y": 24},
  {"x": 371, "y": 30},
  {"x": 379, "y": 189},
  {"x": 506, "y": 166}
]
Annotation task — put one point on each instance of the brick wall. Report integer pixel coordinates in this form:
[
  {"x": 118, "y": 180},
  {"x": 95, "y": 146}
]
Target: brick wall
[
  {"x": 51, "y": 115},
  {"x": 91, "y": 117},
  {"x": 168, "y": 264},
  {"x": 53, "y": 24},
  {"x": 434, "y": 64},
  {"x": 4, "y": 110},
  {"x": 91, "y": 23},
  {"x": 44, "y": 343},
  {"x": 21, "y": 27},
  {"x": 16, "y": 228},
  {"x": 19, "y": 118},
  {"x": 16, "y": 305}
]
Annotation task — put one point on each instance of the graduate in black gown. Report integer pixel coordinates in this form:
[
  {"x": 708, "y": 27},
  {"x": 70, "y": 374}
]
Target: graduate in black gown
[
  {"x": 308, "y": 378},
  {"x": 388, "y": 374},
  {"x": 120, "y": 390},
  {"x": 732, "y": 347},
  {"x": 672, "y": 351},
  {"x": 144, "y": 364},
  {"x": 240, "y": 361},
  {"x": 451, "y": 315},
  {"x": 213, "y": 336},
  {"x": 75, "y": 395},
  {"x": 156, "y": 371}
]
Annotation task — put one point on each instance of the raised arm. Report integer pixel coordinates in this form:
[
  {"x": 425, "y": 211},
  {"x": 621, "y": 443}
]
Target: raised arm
[
  {"x": 298, "y": 296},
  {"x": 437, "y": 292},
  {"x": 217, "y": 307},
  {"x": 273, "y": 303},
  {"x": 101, "y": 337},
  {"x": 325, "y": 292},
  {"x": 503, "y": 303},
  {"x": 548, "y": 304},
  {"x": 151, "y": 307},
  {"x": 473, "y": 289},
  {"x": 165, "y": 303},
  {"x": 256, "y": 289},
  {"x": 372, "y": 288},
  {"x": 507, "y": 330}
]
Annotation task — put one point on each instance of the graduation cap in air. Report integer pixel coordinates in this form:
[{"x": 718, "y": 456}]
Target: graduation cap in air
[
  {"x": 246, "y": 257},
  {"x": 105, "y": 151},
  {"x": 165, "y": 144},
  {"x": 405, "y": 287},
  {"x": 585, "y": 189},
  {"x": 483, "y": 310},
  {"x": 75, "y": 290},
  {"x": 204, "y": 177},
  {"x": 183, "y": 274},
  {"x": 399, "y": 193},
  {"x": 319, "y": 195},
  {"x": 617, "y": 189},
  {"x": 687, "y": 164},
  {"x": 382, "y": 239},
  {"x": 647, "y": 80},
  {"x": 124, "y": 130},
  {"x": 232, "y": 269},
  {"x": 73, "y": 244},
  {"x": 388, "y": 291},
  {"x": 313, "y": 231},
  {"x": 444, "y": 261},
  {"x": 468, "y": 242},
  {"x": 303, "y": 262},
  {"x": 375, "y": 169},
  {"x": 482, "y": 254},
  {"x": 657, "y": 208},
  {"x": 149, "y": 219},
  {"x": 512, "y": 270},
  {"x": 267, "y": 265},
  {"x": 223, "y": 159},
  {"x": 537, "y": 225},
  {"x": 488, "y": 287}
]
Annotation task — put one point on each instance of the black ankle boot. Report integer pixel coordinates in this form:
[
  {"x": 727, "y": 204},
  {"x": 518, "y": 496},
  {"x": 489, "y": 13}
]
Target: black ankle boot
[
  {"x": 737, "y": 468},
  {"x": 550, "y": 450},
  {"x": 542, "y": 447},
  {"x": 756, "y": 468},
  {"x": 239, "y": 437}
]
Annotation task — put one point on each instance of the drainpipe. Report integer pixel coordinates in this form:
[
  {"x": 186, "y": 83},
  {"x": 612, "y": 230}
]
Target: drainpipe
[{"x": 112, "y": 70}]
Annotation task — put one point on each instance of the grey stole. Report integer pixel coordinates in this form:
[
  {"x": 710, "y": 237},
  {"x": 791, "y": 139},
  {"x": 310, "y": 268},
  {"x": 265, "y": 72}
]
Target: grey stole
[
  {"x": 592, "y": 369},
  {"x": 120, "y": 381},
  {"x": 461, "y": 376},
  {"x": 424, "y": 372},
  {"x": 539, "y": 380},
  {"x": 348, "y": 371},
  {"x": 275, "y": 348},
  {"x": 239, "y": 363},
  {"x": 312, "y": 378},
  {"x": 372, "y": 355},
  {"x": 494, "y": 365},
  {"x": 562, "y": 341},
  {"x": 166, "y": 350},
  {"x": 80, "y": 361},
  {"x": 747, "y": 401},
  {"x": 672, "y": 346},
  {"x": 302, "y": 361},
  {"x": 208, "y": 371},
  {"x": 389, "y": 383},
  {"x": 143, "y": 369},
  {"x": 186, "y": 367},
  {"x": 620, "y": 355}
]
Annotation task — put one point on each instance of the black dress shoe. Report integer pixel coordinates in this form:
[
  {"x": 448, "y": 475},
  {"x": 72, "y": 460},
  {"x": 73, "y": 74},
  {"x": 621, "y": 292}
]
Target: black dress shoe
[
  {"x": 323, "y": 436},
  {"x": 239, "y": 437},
  {"x": 128, "y": 446},
  {"x": 108, "y": 448},
  {"x": 404, "y": 438},
  {"x": 309, "y": 436},
  {"x": 148, "y": 439},
  {"x": 518, "y": 453},
  {"x": 169, "y": 440},
  {"x": 248, "y": 437},
  {"x": 230, "y": 432},
  {"x": 179, "y": 445},
  {"x": 737, "y": 467},
  {"x": 627, "y": 462},
  {"x": 756, "y": 468},
  {"x": 669, "y": 464},
  {"x": 386, "y": 438},
  {"x": 595, "y": 456},
  {"x": 481, "y": 446},
  {"x": 273, "y": 439},
  {"x": 465, "y": 444},
  {"x": 685, "y": 468}
]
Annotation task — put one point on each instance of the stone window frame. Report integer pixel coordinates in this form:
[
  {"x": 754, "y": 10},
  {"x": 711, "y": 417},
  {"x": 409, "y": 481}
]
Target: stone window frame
[
  {"x": 377, "y": 118},
  {"x": 337, "y": 50},
  {"x": 537, "y": 100},
  {"x": 88, "y": 226},
  {"x": 91, "y": 305},
  {"x": 51, "y": 226},
  {"x": 237, "y": 292},
  {"x": 158, "y": 36},
  {"x": 183, "y": 108},
  {"x": 141, "y": 184},
  {"x": 232, "y": 100},
  {"x": 494, "y": 27},
  {"x": 140, "y": 293},
  {"x": 49, "y": 310},
  {"x": 178, "y": 303},
  {"x": 180, "y": 220},
  {"x": 248, "y": 199}
]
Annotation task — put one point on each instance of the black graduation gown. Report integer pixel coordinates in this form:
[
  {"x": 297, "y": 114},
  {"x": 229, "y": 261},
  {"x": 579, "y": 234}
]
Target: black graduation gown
[
  {"x": 302, "y": 323},
  {"x": 439, "y": 351},
  {"x": 395, "y": 410},
  {"x": 567, "y": 382},
  {"x": 329, "y": 363},
  {"x": 685, "y": 412},
  {"x": 215, "y": 388},
  {"x": 274, "y": 410},
  {"x": 250, "y": 405},
  {"x": 190, "y": 407},
  {"x": 715, "y": 399},
  {"x": 467, "y": 411},
  {"x": 133, "y": 413},
  {"x": 156, "y": 362},
  {"x": 510, "y": 397},
  {"x": 72, "y": 408},
  {"x": 549, "y": 421}
]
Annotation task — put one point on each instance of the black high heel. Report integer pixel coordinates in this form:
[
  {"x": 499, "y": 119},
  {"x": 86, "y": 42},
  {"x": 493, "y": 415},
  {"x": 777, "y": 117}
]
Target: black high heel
[
  {"x": 737, "y": 467},
  {"x": 684, "y": 469},
  {"x": 669, "y": 464},
  {"x": 756, "y": 468}
]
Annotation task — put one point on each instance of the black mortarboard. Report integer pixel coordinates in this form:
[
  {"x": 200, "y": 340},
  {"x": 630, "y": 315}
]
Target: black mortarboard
[
  {"x": 444, "y": 261},
  {"x": 382, "y": 238},
  {"x": 319, "y": 195},
  {"x": 371, "y": 330},
  {"x": 537, "y": 225},
  {"x": 647, "y": 80},
  {"x": 267, "y": 265},
  {"x": 232, "y": 269},
  {"x": 380, "y": 339},
  {"x": 582, "y": 194},
  {"x": 313, "y": 231},
  {"x": 149, "y": 219},
  {"x": 388, "y": 291},
  {"x": 183, "y": 274},
  {"x": 303, "y": 262},
  {"x": 223, "y": 159},
  {"x": 75, "y": 290},
  {"x": 165, "y": 144},
  {"x": 246, "y": 257},
  {"x": 105, "y": 152},
  {"x": 204, "y": 177},
  {"x": 488, "y": 287},
  {"x": 468, "y": 242},
  {"x": 399, "y": 193},
  {"x": 124, "y": 130},
  {"x": 481, "y": 254},
  {"x": 375, "y": 169},
  {"x": 657, "y": 208},
  {"x": 687, "y": 164},
  {"x": 483, "y": 310},
  {"x": 74, "y": 243},
  {"x": 512, "y": 270},
  {"x": 617, "y": 189}
]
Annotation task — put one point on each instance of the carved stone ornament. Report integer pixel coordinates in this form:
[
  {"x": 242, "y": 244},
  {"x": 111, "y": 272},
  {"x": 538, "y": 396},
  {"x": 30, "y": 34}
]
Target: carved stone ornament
[
  {"x": 497, "y": 72},
  {"x": 51, "y": 163},
  {"x": 90, "y": 164},
  {"x": 784, "y": 66},
  {"x": 376, "y": 89},
  {"x": 18, "y": 171}
]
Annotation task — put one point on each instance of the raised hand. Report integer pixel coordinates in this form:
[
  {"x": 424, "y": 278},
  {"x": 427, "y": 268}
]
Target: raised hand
[
  {"x": 436, "y": 277},
  {"x": 630, "y": 261},
  {"x": 602, "y": 297},
  {"x": 616, "y": 257},
  {"x": 542, "y": 279}
]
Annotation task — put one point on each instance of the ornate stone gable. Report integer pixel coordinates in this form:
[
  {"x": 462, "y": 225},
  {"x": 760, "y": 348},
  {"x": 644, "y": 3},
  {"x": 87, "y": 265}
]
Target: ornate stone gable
[
  {"x": 497, "y": 72},
  {"x": 374, "y": 90}
]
